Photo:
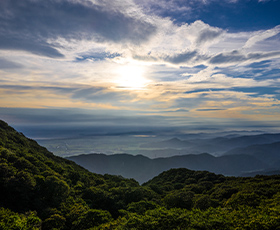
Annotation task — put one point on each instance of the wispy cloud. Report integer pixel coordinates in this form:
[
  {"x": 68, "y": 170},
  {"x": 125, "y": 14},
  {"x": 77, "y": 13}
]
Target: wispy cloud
[
  {"x": 261, "y": 36},
  {"x": 31, "y": 25},
  {"x": 92, "y": 54},
  {"x": 238, "y": 57},
  {"x": 5, "y": 64}
]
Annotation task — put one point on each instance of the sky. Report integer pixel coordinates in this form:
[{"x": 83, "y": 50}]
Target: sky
[{"x": 142, "y": 67}]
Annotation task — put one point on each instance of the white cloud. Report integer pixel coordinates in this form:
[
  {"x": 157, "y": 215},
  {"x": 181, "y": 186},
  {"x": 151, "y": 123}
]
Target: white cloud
[
  {"x": 117, "y": 22},
  {"x": 261, "y": 36},
  {"x": 87, "y": 57}
]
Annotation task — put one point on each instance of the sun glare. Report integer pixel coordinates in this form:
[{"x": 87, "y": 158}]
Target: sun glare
[{"x": 131, "y": 77}]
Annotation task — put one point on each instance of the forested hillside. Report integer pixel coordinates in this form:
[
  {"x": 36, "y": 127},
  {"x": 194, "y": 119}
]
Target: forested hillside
[
  {"x": 43, "y": 191},
  {"x": 59, "y": 193}
]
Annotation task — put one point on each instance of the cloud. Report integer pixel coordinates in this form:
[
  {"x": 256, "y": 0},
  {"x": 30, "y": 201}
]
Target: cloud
[
  {"x": 97, "y": 56},
  {"x": 48, "y": 27},
  {"x": 209, "y": 109},
  {"x": 70, "y": 122},
  {"x": 32, "y": 45},
  {"x": 201, "y": 34},
  {"x": 177, "y": 44},
  {"x": 27, "y": 88},
  {"x": 232, "y": 57},
  {"x": 99, "y": 95},
  {"x": 238, "y": 57},
  {"x": 181, "y": 58},
  {"x": 76, "y": 94},
  {"x": 5, "y": 64},
  {"x": 195, "y": 57},
  {"x": 212, "y": 79},
  {"x": 176, "y": 59},
  {"x": 261, "y": 35},
  {"x": 190, "y": 66},
  {"x": 198, "y": 57},
  {"x": 208, "y": 35},
  {"x": 33, "y": 25},
  {"x": 162, "y": 6},
  {"x": 235, "y": 102}
]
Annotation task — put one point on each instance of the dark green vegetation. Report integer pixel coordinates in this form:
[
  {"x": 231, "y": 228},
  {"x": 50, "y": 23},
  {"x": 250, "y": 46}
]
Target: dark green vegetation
[{"x": 42, "y": 191}]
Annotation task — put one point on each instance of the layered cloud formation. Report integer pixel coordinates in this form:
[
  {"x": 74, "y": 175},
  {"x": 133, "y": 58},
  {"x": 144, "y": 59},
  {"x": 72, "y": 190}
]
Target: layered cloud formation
[{"x": 179, "y": 62}]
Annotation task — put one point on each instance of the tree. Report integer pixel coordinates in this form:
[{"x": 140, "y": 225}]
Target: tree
[{"x": 179, "y": 199}]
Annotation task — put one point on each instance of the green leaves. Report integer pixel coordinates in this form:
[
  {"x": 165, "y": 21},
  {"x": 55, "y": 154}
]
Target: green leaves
[
  {"x": 14, "y": 221},
  {"x": 179, "y": 199},
  {"x": 65, "y": 196}
]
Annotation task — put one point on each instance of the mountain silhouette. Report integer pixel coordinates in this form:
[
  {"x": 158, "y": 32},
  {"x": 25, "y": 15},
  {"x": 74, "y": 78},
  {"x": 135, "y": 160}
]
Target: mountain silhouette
[{"x": 142, "y": 168}]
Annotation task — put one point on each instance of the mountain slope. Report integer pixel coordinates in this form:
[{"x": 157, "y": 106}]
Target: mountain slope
[
  {"x": 42, "y": 191},
  {"x": 63, "y": 194}
]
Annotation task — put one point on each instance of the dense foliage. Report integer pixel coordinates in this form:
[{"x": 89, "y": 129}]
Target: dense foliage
[{"x": 43, "y": 191}]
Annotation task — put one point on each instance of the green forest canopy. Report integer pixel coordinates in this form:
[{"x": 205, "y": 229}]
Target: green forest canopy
[{"x": 43, "y": 191}]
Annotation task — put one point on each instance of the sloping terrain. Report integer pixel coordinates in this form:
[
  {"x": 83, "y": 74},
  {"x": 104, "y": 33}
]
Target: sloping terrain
[
  {"x": 41, "y": 191},
  {"x": 63, "y": 194}
]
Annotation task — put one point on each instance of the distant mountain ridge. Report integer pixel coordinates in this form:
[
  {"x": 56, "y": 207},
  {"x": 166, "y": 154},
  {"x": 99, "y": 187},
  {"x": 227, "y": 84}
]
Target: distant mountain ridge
[
  {"x": 142, "y": 168},
  {"x": 238, "y": 156},
  {"x": 171, "y": 143},
  {"x": 216, "y": 146},
  {"x": 268, "y": 153}
]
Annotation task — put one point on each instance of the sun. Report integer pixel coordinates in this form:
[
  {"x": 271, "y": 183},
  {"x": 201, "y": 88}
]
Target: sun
[{"x": 131, "y": 77}]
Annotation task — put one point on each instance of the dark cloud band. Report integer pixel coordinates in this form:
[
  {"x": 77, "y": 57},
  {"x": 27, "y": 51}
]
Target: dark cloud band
[{"x": 29, "y": 25}]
